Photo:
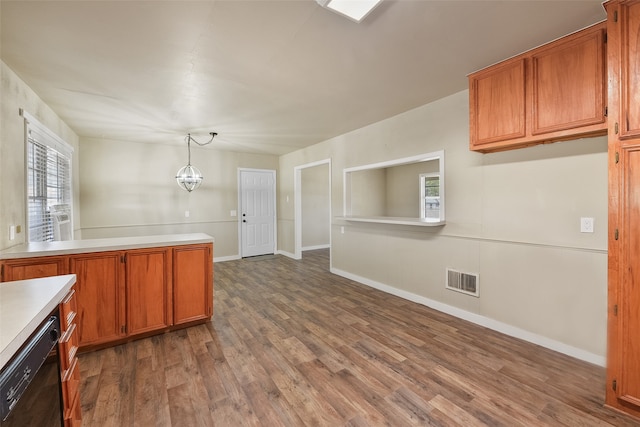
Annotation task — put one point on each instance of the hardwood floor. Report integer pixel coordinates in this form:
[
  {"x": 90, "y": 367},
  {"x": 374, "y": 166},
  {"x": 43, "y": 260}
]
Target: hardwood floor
[{"x": 292, "y": 345}]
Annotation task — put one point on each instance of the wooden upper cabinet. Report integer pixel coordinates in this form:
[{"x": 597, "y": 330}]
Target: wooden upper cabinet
[
  {"x": 192, "y": 283},
  {"x": 148, "y": 284},
  {"x": 498, "y": 103},
  {"x": 33, "y": 268},
  {"x": 569, "y": 83},
  {"x": 629, "y": 62},
  {"x": 552, "y": 93}
]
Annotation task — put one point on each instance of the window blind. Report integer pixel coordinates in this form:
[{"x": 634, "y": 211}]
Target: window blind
[{"x": 49, "y": 185}]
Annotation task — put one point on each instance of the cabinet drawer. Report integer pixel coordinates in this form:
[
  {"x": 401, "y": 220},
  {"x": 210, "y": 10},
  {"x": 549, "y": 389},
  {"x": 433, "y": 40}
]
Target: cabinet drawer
[
  {"x": 70, "y": 388},
  {"x": 68, "y": 311},
  {"x": 75, "y": 417},
  {"x": 68, "y": 346}
]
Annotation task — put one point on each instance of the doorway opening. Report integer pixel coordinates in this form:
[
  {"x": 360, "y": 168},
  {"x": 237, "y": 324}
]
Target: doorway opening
[{"x": 312, "y": 217}]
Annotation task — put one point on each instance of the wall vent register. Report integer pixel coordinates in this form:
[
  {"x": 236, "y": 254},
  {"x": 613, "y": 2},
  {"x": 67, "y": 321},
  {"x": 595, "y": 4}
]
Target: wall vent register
[{"x": 466, "y": 283}]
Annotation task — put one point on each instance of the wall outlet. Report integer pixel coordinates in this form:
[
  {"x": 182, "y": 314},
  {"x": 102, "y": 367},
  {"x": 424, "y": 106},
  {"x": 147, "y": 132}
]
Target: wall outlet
[
  {"x": 186, "y": 214},
  {"x": 586, "y": 225},
  {"x": 234, "y": 213},
  {"x": 12, "y": 232}
]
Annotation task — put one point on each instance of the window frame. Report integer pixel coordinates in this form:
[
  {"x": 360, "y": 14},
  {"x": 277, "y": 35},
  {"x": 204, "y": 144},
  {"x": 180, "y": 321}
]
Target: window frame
[
  {"x": 423, "y": 195},
  {"x": 36, "y": 131}
]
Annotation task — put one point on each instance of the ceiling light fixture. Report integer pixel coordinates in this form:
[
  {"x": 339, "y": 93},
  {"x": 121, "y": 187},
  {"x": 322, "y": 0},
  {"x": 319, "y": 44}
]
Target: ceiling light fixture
[
  {"x": 189, "y": 177},
  {"x": 355, "y": 10}
]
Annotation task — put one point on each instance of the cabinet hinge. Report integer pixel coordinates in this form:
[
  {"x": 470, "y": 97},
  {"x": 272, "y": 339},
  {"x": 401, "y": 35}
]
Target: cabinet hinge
[
  {"x": 615, "y": 235},
  {"x": 604, "y": 38},
  {"x": 123, "y": 258},
  {"x": 615, "y": 128},
  {"x": 614, "y": 385},
  {"x": 615, "y": 16},
  {"x": 615, "y": 310},
  {"x": 606, "y": 111},
  {"x": 2, "y": 273},
  {"x": 617, "y": 157}
]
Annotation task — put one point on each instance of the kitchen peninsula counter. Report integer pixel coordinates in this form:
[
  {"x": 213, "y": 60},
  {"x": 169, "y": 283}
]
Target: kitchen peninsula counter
[
  {"x": 127, "y": 287},
  {"x": 69, "y": 247}
]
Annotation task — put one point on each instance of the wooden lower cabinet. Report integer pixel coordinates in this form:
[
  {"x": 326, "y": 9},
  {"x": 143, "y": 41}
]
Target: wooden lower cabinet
[
  {"x": 148, "y": 285},
  {"x": 69, "y": 364},
  {"x": 71, "y": 396},
  {"x": 101, "y": 293},
  {"x": 129, "y": 293},
  {"x": 192, "y": 283},
  {"x": 33, "y": 268}
]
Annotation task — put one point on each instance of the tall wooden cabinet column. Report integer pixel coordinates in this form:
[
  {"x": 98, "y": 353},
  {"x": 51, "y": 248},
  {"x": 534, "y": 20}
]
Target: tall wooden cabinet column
[{"x": 623, "y": 361}]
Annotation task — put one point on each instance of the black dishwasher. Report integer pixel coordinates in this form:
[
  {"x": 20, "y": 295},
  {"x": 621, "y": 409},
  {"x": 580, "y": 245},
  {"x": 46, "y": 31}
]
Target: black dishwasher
[{"x": 30, "y": 382}]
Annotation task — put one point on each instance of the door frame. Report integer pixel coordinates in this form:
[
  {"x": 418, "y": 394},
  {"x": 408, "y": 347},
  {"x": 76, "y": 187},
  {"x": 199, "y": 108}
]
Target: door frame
[
  {"x": 297, "y": 217},
  {"x": 275, "y": 207}
]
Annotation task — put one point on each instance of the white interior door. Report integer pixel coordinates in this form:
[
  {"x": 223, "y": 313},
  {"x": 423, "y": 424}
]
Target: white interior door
[{"x": 257, "y": 212}]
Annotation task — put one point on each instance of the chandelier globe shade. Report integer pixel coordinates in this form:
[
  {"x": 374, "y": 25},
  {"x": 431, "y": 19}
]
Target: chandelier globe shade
[{"x": 189, "y": 178}]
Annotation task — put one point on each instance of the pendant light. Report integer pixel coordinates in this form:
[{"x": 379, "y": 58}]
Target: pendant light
[{"x": 189, "y": 177}]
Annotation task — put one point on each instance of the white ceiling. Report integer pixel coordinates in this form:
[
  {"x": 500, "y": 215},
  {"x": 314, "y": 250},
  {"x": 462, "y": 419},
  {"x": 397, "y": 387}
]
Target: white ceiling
[{"x": 268, "y": 76}]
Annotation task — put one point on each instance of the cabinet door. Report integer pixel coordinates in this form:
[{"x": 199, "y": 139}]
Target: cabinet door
[
  {"x": 628, "y": 319},
  {"x": 33, "y": 268},
  {"x": 148, "y": 279},
  {"x": 192, "y": 283},
  {"x": 629, "y": 22},
  {"x": 100, "y": 296},
  {"x": 568, "y": 83},
  {"x": 497, "y": 103}
]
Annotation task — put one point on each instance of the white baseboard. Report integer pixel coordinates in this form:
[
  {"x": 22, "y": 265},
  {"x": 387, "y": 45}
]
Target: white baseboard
[
  {"x": 313, "y": 248},
  {"x": 287, "y": 254},
  {"x": 226, "y": 258},
  {"x": 481, "y": 320}
]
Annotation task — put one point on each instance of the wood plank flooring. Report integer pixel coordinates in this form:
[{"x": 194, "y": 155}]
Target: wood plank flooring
[{"x": 292, "y": 345}]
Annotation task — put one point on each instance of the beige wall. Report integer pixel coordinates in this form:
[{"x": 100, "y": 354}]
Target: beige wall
[
  {"x": 130, "y": 189},
  {"x": 403, "y": 188},
  {"x": 368, "y": 192},
  {"x": 15, "y": 94},
  {"x": 315, "y": 206},
  {"x": 512, "y": 217}
]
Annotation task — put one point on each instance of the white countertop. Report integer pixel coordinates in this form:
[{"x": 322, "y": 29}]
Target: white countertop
[
  {"x": 423, "y": 222},
  {"x": 24, "y": 304},
  {"x": 69, "y": 247}
]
